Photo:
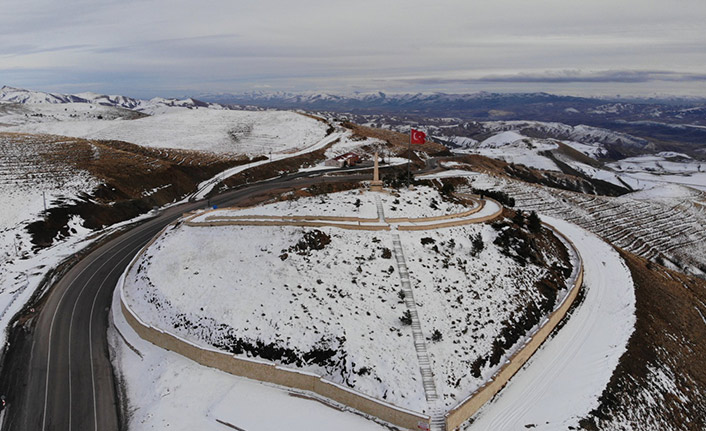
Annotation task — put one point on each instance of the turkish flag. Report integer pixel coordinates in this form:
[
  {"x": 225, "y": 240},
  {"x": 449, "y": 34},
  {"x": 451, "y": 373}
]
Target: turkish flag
[{"x": 418, "y": 137}]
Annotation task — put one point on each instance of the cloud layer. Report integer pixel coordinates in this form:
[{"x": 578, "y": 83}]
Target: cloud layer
[{"x": 149, "y": 47}]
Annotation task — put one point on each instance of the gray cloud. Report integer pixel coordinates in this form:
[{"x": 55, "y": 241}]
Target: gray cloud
[
  {"x": 28, "y": 49},
  {"x": 618, "y": 76},
  {"x": 561, "y": 77},
  {"x": 178, "y": 46}
]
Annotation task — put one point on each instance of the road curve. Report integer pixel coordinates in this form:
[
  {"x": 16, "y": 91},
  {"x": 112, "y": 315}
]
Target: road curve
[{"x": 57, "y": 373}]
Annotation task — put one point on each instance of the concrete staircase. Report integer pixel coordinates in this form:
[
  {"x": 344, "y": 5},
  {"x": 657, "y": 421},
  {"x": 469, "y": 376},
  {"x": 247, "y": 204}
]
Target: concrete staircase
[
  {"x": 381, "y": 212},
  {"x": 438, "y": 419},
  {"x": 419, "y": 340}
]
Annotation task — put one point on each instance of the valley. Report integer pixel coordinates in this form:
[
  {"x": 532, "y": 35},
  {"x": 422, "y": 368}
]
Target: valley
[{"x": 247, "y": 242}]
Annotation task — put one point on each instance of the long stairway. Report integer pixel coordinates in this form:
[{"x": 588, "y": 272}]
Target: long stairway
[
  {"x": 381, "y": 212},
  {"x": 419, "y": 340},
  {"x": 438, "y": 419}
]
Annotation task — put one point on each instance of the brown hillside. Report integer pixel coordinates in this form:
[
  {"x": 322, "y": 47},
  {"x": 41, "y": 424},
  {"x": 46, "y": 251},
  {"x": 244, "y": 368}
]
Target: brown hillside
[
  {"x": 133, "y": 178},
  {"x": 660, "y": 382}
]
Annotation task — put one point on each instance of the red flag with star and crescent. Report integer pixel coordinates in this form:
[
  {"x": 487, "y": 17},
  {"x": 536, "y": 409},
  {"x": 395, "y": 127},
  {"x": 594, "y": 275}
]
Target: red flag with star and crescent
[{"x": 418, "y": 137}]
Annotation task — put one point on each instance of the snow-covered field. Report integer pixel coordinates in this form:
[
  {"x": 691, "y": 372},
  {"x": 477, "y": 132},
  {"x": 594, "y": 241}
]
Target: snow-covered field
[
  {"x": 665, "y": 167},
  {"x": 561, "y": 383},
  {"x": 422, "y": 202},
  {"x": 200, "y": 283},
  {"x": 467, "y": 296},
  {"x": 167, "y": 391},
  {"x": 661, "y": 163},
  {"x": 301, "y": 303},
  {"x": 218, "y": 131},
  {"x": 346, "y": 204}
]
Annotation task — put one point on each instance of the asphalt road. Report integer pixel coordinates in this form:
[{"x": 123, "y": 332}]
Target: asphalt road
[{"x": 57, "y": 373}]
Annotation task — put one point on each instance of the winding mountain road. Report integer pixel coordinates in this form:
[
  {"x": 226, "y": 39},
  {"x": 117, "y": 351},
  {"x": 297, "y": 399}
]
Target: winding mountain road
[{"x": 57, "y": 373}]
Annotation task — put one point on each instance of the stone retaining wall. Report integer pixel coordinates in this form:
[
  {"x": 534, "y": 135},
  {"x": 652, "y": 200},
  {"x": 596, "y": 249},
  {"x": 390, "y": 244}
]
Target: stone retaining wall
[
  {"x": 324, "y": 221},
  {"x": 467, "y": 408},
  {"x": 288, "y": 223},
  {"x": 454, "y": 222},
  {"x": 294, "y": 217}
]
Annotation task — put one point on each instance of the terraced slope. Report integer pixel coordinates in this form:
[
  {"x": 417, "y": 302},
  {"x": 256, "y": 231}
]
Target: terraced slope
[{"x": 669, "y": 232}]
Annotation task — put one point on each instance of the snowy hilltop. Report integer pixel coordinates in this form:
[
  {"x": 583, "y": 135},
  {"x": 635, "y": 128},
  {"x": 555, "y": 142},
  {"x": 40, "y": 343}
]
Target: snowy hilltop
[{"x": 331, "y": 301}]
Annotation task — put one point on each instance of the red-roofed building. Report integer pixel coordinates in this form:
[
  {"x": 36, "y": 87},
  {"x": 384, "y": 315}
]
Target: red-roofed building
[{"x": 344, "y": 160}]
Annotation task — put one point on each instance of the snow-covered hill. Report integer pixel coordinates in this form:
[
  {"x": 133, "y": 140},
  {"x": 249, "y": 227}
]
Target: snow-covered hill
[
  {"x": 217, "y": 131},
  {"x": 581, "y": 133},
  {"x": 20, "y": 106},
  {"x": 303, "y": 292},
  {"x": 520, "y": 145},
  {"x": 159, "y": 122}
]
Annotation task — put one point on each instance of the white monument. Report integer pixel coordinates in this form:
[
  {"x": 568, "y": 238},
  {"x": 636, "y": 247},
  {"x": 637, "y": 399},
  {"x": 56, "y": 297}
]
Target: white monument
[{"x": 376, "y": 184}]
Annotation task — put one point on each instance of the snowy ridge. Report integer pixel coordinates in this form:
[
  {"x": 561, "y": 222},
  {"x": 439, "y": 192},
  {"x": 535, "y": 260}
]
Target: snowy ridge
[
  {"x": 639, "y": 173},
  {"x": 513, "y": 147},
  {"x": 581, "y": 133},
  {"x": 501, "y": 139},
  {"x": 22, "y": 96}
]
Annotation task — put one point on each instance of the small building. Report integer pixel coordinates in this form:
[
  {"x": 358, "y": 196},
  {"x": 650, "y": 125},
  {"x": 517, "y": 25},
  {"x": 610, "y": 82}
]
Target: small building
[{"x": 344, "y": 160}]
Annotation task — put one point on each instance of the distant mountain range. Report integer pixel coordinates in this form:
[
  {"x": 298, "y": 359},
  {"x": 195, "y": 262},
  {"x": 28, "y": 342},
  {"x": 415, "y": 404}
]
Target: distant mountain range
[
  {"x": 29, "y": 97},
  {"x": 674, "y": 122},
  {"x": 670, "y": 124},
  {"x": 482, "y": 106}
]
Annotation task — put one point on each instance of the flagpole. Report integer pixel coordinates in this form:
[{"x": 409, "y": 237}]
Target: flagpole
[{"x": 409, "y": 158}]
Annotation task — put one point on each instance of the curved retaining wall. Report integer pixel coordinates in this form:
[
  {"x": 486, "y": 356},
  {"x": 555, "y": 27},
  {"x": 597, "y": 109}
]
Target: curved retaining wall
[
  {"x": 266, "y": 371},
  {"x": 453, "y": 223},
  {"x": 295, "y": 217},
  {"x": 287, "y": 223},
  {"x": 467, "y": 408},
  {"x": 269, "y": 372},
  {"x": 324, "y": 221}
]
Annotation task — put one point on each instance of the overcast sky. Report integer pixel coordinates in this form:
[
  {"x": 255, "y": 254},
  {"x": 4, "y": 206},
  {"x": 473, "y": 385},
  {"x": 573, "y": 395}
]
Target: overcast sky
[{"x": 145, "y": 48}]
